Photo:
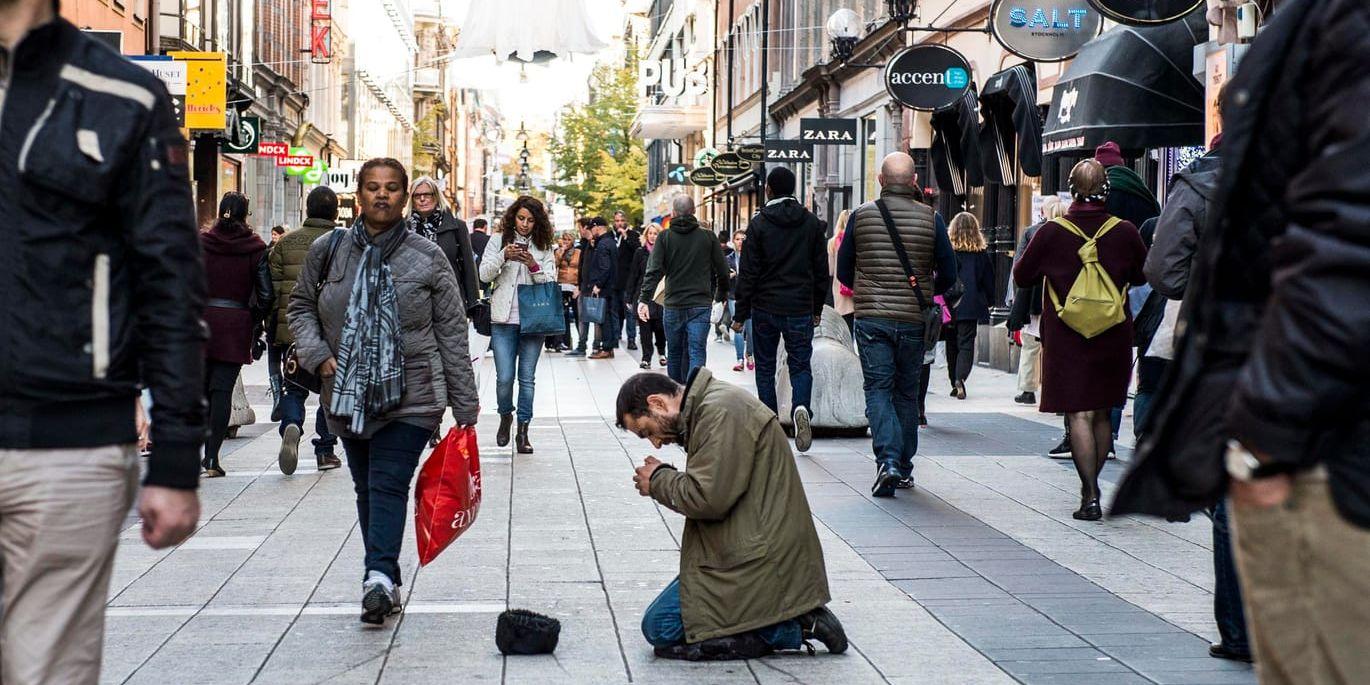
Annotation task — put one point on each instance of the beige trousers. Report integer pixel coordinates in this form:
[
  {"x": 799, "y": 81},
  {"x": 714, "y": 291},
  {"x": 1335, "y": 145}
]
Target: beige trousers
[
  {"x": 60, "y": 514},
  {"x": 1305, "y": 574},
  {"x": 1030, "y": 364}
]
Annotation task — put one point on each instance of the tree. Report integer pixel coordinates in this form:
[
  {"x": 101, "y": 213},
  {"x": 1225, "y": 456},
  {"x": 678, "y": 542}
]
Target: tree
[
  {"x": 600, "y": 166},
  {"x": 427, "y": 146}
]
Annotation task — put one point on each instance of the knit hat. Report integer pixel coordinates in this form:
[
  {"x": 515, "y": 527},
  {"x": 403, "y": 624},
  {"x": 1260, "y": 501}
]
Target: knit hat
[
  {"x": 519, "y": 631},
  {"x": 1109, "y": 154}
]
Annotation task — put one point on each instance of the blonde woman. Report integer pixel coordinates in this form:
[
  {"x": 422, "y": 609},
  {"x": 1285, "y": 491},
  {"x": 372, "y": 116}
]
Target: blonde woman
[{"x": 976, "y": 272}]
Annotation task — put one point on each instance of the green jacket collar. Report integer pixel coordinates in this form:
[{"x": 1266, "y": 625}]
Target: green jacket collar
[
  {"x": 318, "y": 223},
  {"x": 695, "y": 389}
]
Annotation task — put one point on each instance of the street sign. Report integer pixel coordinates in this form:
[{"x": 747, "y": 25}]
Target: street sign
[
  {"x": 249, "y": 134},
  {"x": 677, "y": 175},
  {"x": 1146, "y": 12},
  {"x": 927, "y": 77},
  {"x": 789, "y": 151},
  {"x": 1044, "y": 30},
  {"x": 705, "y": 177},
  {"x": 828, "y": 131},
  {"x": 729, "y": 163},
  {"x": 172, "y": 75},
  {"x": 752, "y": 152}
]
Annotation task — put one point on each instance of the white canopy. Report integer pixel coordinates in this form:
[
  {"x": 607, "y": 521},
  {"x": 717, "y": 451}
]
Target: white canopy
[{"x": 527, "y": 30}]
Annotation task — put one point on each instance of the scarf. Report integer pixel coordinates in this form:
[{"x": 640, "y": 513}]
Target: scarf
[
  {"x": 426, "y": 226},
  {"x": 370, "y": 378}
]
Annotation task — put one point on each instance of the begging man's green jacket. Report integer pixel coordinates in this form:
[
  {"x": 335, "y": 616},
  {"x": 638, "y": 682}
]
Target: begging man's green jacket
[{"x": 750, "y": 556}]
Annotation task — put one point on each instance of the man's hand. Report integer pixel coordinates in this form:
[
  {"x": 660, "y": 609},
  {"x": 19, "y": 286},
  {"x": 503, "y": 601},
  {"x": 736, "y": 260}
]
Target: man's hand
[
  {"x": 643, "y": 476},
  {"x": 817, "y": 319},
  {"x": 575, "y": 294},
  {"x": 169, "y": 515},
  {"x": 643, "y": 312},
  {"x": 142, "y": 425},
  {"x": 738, "y": 325},
  {"x": 329, "y": 367},
  {"x": 1262, "y": 493},
  {"x": 595, "y": 291}
]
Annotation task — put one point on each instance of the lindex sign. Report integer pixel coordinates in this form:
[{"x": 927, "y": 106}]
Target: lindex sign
[
  {"x": 273, "y": 149},
  {"x": 705, "y": 177},
  {"x": 789, "y": 151},
  {"x": 827, "y": 131},
  {"x": 729, "y": 164},
  {"x": 927, "y": 77}
]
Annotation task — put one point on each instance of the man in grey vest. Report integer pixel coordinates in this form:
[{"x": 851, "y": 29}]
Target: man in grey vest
[{"x": 890, "y": 302}]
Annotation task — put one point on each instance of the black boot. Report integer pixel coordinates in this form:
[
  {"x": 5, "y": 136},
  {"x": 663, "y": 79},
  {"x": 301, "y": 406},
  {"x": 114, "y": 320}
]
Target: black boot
[
  {"x": 820, "y": 624},
  {"x": 524, "y": 447},
  {"x": 502, "y": 435},
  {"x": 745, "y": 646}
]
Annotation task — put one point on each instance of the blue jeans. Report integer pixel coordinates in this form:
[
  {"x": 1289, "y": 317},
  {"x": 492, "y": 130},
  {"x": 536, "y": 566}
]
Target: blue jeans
[
  {"x": 742, "y": 342},
  {"x": 663, "y": 626},
  {"x": 514, "y": 351},
  {"x": 292, "y": 414},
  {"x": 1227, "y": 589},
  {"x": 891, "y": 367},
  {"x": 687, "y": 332},
  {"x": 797, "y": 332},
  {"x": 382, "y": 468}
]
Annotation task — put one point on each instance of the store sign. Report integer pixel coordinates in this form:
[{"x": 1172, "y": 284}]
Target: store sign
[
  {"x": 677, "y": 175},
  {"x": 206, "y": 89},
  {"x": 342, "y": 177},
  {"x": 296, "y": 161},
  {"x": 828, "y": 131},
  {"x": 927, "y": 77},
  {"x": 729, "y": 164},
  {"x": 706, "y": 156},
  {"x": 1145, "y": 12},
  {"x": 673, "y": 77},
  {"x": 321, "y": 31},
  {"x": 753, "y": 152},
  {"x": 705, "y": 176},
  {"x": 173, "y": 76},
  {"x": 248, "y": 137},
  {"x": 789, "y": 151},
  {"x": 1044, "y": 30},
  {"x": 273, "y": 149}
]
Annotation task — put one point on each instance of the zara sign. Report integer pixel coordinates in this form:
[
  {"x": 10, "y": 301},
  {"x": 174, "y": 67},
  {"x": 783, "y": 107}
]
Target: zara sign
[
  {"x": 1044, "y": 30},
  {"x": 927, "y": 77}
]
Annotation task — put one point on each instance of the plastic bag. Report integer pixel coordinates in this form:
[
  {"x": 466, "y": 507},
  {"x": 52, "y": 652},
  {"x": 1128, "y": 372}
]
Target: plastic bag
[{"x": 447, "y": 497}]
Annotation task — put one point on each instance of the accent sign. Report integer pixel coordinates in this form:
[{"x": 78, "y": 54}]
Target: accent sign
[{"x": 927, "y": 77}]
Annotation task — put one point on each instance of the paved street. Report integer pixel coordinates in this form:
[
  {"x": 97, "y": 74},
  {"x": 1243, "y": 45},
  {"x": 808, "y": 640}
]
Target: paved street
[{"x": 980, "y": 575}]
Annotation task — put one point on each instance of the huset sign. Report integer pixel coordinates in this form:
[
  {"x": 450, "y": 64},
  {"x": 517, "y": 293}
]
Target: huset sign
[
  {"x": 927, "y": 77},
  {"x": 1044, "y": 30}
]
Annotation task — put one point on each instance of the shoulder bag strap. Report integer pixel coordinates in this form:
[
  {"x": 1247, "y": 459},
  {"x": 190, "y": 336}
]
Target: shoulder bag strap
[
  {"x": 903, "y": 254},
  {"x": 334, "y": 239}
]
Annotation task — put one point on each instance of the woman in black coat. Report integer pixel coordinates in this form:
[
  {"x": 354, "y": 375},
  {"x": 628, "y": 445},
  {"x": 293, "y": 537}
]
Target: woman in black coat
[{"x": 976, "y": 272}]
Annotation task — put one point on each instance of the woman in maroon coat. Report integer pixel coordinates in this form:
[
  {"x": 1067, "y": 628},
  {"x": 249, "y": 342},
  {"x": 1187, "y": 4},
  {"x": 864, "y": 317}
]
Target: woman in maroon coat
[
  {"x": 1084, "y": 377},
  {"x": 240, "y": 296}
]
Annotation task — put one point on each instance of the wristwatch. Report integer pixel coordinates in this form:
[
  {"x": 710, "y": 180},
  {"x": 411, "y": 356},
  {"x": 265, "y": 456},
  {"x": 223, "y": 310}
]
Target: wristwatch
[{"x": 1243, "y": 466}]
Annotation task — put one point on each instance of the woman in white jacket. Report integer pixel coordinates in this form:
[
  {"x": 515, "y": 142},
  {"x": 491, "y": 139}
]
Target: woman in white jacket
[{"x": 522, "y": 255}]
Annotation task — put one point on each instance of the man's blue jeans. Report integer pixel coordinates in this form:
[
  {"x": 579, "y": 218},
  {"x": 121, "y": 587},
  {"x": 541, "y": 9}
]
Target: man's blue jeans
[
  {"x": 292, "y": 414},
  {"x": 891, "y": 365},
  {"x": 663, "y": 626},
  {"x": 687, "y": 333},
  {"x": 1227, "y": 589},
  {"x": 743, "y": 343},
  {"x": 515, "y": 353},
  {"x": 382, "y": 468},
  {"x": 797, "y": 332}
]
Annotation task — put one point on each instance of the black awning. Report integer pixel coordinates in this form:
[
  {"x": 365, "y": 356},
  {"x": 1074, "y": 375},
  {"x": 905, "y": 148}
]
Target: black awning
[
  {"x": 1012, "y": 128},
  {"x": 1132, "y": 85},
  {"x": 956, "y": 145}
]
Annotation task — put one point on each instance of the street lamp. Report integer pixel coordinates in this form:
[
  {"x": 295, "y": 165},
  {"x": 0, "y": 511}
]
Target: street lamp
[
  {"x": 522, "y": 134},
  {"x": 843, "y": 28},
  {"x": 900, "y": 11}
]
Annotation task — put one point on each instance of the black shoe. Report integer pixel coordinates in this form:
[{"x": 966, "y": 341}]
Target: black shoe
[
  {"x": 524, "y": 447},
  {"x": 212, "y": 468},
  {"x": 1218, "y": 650},
  {"x": 646, "y": 364},
  {"x": 632, "y": 345},
  {"x": 886, "y": 480},
  {"x": 1089, "y": 511},
  {"x": 820, "y": 624},
  {"x": 276, "y": 411},
  {"x": 506, "y": 421},
  {"x": 578, "y": 352},
  {"x": 1026, "y": 398},
  {"x": 1061, "y": 451},
  {"x": 960, "y": 390},
  {"x": 923, "y": 420},
  {"x": 289, "y": 456},
  {"x": 905, "y": 484},
  {"x": 803, "y": 430},
  {"x": 378, "y": 600},
  {"x": 745, "y": 646}
]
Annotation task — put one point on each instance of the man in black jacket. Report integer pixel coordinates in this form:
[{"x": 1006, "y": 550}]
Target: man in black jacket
[
  {"x": 603, "y": 266},
  {"x": 1268, "y": 396},
  {"x": 586, "y": 247},
  {"x": 104, "y": 288},
  {"x": 782, "y": 281},
  {"x": 628, "y": 242}
]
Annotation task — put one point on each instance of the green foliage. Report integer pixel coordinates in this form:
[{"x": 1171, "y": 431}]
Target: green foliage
[
  {"x": 426, "y": 143},
  {"x": 600, "y": 166}
]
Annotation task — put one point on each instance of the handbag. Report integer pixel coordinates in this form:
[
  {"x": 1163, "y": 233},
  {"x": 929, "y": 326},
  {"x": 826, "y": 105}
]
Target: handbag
[
  {"x": 594, "y": 309},
  {"x": 291, "y": 370},
  {"x": 448, "y": 493},
  {"x": 932, "y": 311},
  {"x": 540, "y": 309},
  {"x": 479, "y": 315}
]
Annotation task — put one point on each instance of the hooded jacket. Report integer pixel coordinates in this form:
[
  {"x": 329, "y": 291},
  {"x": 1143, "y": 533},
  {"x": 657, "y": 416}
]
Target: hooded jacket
[
  {"x": 1181, "y": 224},
  {"x": 287, "y": 260},
  {"x": 691, "y": 261},
  {"x": 239, "y": 290},
  {"x": 783, "y": 269}
]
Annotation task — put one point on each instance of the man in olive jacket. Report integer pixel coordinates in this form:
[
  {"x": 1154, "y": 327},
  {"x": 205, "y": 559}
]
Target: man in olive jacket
[
  {"x": 752, "y": 578},
  {"x": 286, "y": 260}
]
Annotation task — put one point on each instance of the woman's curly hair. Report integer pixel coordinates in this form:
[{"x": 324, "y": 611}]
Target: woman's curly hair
[{"x": 542, "y": 225}]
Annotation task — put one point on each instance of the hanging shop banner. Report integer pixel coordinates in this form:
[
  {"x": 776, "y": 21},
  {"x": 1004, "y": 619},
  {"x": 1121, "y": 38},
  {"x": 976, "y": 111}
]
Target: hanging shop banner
[
  {"x": 246, "y": 139},
  {"x": 752, "y": 152},
  {"x": 297, "y": 162},
  {"x": 705, "y": 176},
  {"x": 789, "y": 151},
  {"x": 1146, "y": 12},
  {"x": 273, "y": 149},
  {"x": 729, "y": 164},
  {"x": 828, "y": 131},
  {"x": 206, "y": 91},
  {"x": 1044, "y": 30},
  {"x": 705, "y": 157},
  {"x": 927, "y": 77},
  {"x": 677, "y": 175},
  {"x": 321, "y": 31},
  {"x": 173, "y": 75}
]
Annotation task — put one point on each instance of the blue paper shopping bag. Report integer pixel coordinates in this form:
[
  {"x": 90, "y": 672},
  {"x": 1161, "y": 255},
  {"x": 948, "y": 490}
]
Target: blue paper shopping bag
[{"x": 540, "y": 309}]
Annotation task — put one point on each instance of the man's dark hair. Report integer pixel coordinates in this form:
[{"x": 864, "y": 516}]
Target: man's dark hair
[
  {"x": 322, "y": 203},
  {"x": 632, "y": 397},
  {"x": 479, "y": 224},
  {"x": 780, "y": 182},
  {"x": 278, "y": 229},
  {"x": 598, "y": 221}
]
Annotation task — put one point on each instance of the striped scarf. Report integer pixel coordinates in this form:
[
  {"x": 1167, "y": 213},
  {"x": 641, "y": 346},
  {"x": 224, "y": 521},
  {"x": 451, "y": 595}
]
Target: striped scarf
[{"x": 370, "y": 378}]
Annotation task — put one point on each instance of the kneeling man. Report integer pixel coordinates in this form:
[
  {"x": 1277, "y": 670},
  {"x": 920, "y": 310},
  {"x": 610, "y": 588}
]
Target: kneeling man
[{"x": 752, "y": 579}]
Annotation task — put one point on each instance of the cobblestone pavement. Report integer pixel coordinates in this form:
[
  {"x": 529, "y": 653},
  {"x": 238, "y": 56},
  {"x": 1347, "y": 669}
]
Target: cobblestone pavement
[{"x": 979, "y": 575}]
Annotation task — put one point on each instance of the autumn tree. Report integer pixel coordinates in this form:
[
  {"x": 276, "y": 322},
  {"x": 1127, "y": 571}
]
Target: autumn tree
[{"x": 600, "y": 166}]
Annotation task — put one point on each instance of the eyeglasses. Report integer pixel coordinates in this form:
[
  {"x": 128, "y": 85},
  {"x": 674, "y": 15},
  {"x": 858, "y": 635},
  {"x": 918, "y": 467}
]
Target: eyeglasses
[{"x": 424, "y": 196}]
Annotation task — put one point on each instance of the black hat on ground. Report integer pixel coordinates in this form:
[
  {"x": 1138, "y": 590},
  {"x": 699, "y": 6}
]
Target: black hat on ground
[{"x": 520, "y": 631}]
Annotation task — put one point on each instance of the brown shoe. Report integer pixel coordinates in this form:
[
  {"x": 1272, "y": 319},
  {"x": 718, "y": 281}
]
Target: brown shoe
[
  {"x": 328, "y": 462},
  {"x": 603, "y": 354}
]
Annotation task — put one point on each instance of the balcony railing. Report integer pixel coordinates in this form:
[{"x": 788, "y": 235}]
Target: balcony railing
[{"x": 428, "y": 79}]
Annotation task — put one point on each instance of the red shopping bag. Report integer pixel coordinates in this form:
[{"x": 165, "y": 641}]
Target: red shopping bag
[{"x": 448, "y": 494}]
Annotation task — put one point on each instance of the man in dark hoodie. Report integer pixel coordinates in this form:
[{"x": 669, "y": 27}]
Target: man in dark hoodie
[
  {"x": 782, "y": 282},
  {"x": 628, "y": 243},
  {"x": 603, "y": 266},
  {"x": 691, "y": 261}
]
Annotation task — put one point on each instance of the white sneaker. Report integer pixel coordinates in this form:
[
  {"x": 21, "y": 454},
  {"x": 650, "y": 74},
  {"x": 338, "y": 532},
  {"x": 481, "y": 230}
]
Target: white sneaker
[
  {"x": 380, "y": 598},
  {"x": 803, "y": 431}
]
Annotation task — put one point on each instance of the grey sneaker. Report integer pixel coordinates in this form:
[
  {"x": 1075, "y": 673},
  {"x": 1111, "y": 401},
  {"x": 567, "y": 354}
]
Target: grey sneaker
[
  {"x": 289, "y": 457},
  {"x": 803, "y": 431},
  {"x": 380, "y": 598}
]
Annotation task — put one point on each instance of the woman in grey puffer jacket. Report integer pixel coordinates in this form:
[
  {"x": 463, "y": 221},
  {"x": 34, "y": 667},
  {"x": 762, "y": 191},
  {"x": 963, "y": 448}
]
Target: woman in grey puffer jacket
[{"x": 387, "y": 335}]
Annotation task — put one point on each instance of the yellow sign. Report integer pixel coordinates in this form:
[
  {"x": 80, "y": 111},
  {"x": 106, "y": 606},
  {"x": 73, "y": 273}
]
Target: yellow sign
[{"x": 206, "y": 93}]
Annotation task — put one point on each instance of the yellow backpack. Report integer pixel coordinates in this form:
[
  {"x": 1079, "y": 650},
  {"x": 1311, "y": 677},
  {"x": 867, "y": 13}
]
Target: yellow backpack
[{"x": 1094, "y": 303}]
